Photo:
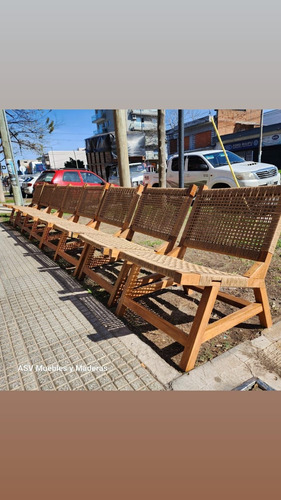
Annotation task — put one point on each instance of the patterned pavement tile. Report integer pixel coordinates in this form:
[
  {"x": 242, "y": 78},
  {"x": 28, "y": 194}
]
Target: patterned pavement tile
[{"x": 53, "y": 340}]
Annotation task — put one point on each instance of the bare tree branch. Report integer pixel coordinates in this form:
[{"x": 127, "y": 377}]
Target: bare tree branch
[
  {"x": 189, "y": 115},
  {"x": 29, "y": 128}
]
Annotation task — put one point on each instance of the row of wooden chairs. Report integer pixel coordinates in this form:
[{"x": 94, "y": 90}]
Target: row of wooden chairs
[
  {"x": 155, "y": 212},
  {"x": 239, "y": 222}
]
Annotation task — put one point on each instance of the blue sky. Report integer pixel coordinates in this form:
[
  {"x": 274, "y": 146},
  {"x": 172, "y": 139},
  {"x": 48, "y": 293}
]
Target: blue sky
[{"x": 73, "y": 127}]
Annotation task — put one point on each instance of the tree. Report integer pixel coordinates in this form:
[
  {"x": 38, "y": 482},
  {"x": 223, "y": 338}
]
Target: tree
[
  {"x": 28, "y": 129},
  {"x": 161, "y": 147},
  {"x": 189, "y": 115},
  {"x": 71, "y": 163}
]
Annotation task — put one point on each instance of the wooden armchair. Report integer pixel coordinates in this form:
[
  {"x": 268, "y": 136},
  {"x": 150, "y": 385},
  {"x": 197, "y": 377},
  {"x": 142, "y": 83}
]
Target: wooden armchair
[
  {"x": 160, "y": 213},
  {"x": 239, "y": 222}
]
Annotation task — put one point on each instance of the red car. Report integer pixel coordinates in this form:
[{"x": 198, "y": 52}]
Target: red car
[{"x": 75, "y": 177}]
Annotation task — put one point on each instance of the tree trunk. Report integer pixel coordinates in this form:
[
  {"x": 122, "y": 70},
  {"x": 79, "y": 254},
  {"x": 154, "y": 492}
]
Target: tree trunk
[
  {"x": 9, "y": 158},
  {"x": 120, "y": 121},
  {"x": 162, "y": 148},
  {"x": 2, "y": 195}
]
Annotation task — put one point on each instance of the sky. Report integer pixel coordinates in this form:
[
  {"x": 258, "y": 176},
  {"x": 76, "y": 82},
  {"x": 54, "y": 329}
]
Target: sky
[{"x": 73, "y": 126}]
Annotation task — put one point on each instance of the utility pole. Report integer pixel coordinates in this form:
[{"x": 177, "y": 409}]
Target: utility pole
[
  {"x": 161, "y": 147},
  {"x": 75, "y": 159},
  {"x": 181, "y": 147},
  {"x": 261, "y": 133},
  {"x": 2, "y": 194},
  {"x": 120, "y": 122},
  {"x": 9, "y": 158}
]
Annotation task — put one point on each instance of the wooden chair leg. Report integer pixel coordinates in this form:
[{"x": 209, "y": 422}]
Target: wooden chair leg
[
  {"x": 44, "y": 235},
  {"x": 33, "y": 229},
  {"x": 261, "y": 297},
  {"x": 26, "y": 218},
  {"x": 188, "y": 290},
  {"x": 17, "y": 219},
  {"x": 129, "y": 285},
  {"x": 12, "y": 217},
  {"x": 117, "y": 289},
  {"x": 61, "y": 243},
  {"x": 199, "y": 325},
  {"x": 82, "y": 261}
]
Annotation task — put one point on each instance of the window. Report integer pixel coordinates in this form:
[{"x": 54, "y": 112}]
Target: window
[
  {"x": 71, "y": 177},
  {"x": 88, "y": 177},
  {"x": 173, "y": 146},
  {"x": 175, "y": 165},
  {"x": 218, "y": 159},
  {"x": 46, "y": 177},
  {"x": 196, "y": 164}
]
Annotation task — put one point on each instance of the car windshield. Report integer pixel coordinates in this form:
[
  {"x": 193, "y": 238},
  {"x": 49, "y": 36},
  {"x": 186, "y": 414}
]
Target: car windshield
[
  {"x": 137, "y": 168},
  {"x": 219, "y": 160}
]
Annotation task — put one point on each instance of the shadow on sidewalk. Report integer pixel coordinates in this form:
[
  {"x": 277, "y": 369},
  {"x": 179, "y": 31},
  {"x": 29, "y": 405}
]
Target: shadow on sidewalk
[{"x": 104, "y": 321}]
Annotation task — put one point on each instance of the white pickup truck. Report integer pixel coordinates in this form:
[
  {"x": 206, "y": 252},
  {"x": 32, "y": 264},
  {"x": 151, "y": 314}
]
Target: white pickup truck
[
  {"x": 211, "y": 168},
  {"x": 137, "y": 171}
]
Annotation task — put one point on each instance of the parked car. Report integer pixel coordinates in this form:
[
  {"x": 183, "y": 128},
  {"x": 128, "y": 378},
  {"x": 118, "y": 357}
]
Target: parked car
[
  {"x": 211, "y": 168},
  {"x": 137, "y": 171},
  {"x": 75, "y": 177},
  {"x": 28, "y": 184},
  {"x": 22, "y": 178}
]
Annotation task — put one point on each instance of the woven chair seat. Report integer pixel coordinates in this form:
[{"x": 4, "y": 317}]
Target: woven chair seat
[
  {"x": 182, "y": 272},
  {"x": 27, "y": 210},
  {"x": 109, "y": 241},
  {"x": 71, "y": 227}
]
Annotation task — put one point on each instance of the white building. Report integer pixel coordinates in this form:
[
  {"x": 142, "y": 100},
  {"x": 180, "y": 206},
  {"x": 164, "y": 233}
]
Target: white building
[{"x": 57, "y": 159}]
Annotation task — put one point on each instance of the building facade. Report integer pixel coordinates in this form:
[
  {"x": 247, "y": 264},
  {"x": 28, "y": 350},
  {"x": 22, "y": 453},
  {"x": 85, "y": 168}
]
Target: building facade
[
  {"x": 246, "y": 143},
  {"x": 200, "y": 133},
  {"x": 138, "y": 120}
]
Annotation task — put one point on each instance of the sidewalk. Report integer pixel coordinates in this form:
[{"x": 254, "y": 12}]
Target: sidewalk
[
  {"x": 49, "y": 322},
  {"x": 57, "y": 336}
]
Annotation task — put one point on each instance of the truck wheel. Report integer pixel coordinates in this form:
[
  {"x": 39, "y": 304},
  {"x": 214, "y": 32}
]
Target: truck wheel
[
  {"x": 221, "y": 185},
  {"x": 155, "y": 185}
]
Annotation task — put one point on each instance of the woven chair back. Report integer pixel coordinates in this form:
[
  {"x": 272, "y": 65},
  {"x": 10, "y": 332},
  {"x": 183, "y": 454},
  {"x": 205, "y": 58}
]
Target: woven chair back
[
  {"x": 241, "y": 222},
  {"x": 90, "y": 202},
  {"x": 161, "y": 212},
  {"x": 47, "y": 195},
  {"x": 37, "y": 194},
  {"x": 118, "y": 206},
  {"x": 58, "y": 197}
]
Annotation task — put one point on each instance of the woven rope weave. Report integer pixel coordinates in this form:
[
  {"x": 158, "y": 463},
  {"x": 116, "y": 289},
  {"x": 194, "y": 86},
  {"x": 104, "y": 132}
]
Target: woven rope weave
[
  {"x": 47, "y": 194},
  {"x": 72, "y": 199},
  {"x": 240, "y": 222},
  {"x": 36, "y": 194},
  {"x": 58, "y": 197},
  {"x": 89, "y": 204},
  {"x": 117, "y": 205},
  {"x": 160, "y": 212}
]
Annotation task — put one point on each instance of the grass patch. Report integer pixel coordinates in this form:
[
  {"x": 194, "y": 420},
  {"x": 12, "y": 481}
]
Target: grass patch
[
  {"x": 149, "y": 243},
  {"x": 4, "y": 217}
]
